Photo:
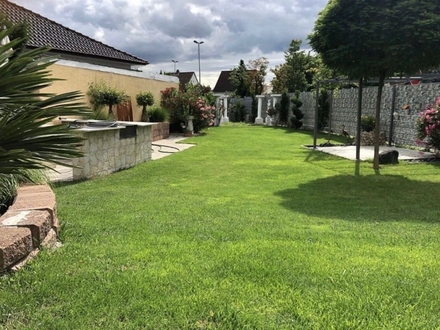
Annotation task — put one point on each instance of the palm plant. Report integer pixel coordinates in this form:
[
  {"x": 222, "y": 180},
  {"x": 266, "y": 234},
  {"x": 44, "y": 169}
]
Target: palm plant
[{"x": 28, "y": 139}]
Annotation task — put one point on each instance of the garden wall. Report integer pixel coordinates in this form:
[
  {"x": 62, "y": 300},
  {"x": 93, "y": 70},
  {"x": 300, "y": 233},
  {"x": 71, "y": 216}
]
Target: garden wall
[
  {"x": 79, "y": 76},
  {"x": 344, "y": 110},
  {"x": 110, "y": 149},
  {"x": 160, "y": 131}
]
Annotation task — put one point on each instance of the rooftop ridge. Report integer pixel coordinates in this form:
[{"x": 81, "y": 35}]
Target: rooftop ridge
[{"x": 64, "y": 42}]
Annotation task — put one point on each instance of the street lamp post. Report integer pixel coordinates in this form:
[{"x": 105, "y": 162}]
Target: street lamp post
[
  {"x": 198, "y": 46},
  {"x": 174, "y": 65}
]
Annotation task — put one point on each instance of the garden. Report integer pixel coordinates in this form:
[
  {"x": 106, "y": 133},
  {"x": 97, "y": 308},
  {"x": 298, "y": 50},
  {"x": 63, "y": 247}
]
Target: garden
[{"x": 247, "y": 230}]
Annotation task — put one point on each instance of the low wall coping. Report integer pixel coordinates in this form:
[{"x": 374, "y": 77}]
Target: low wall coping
[{"x": 30, "y": 222}]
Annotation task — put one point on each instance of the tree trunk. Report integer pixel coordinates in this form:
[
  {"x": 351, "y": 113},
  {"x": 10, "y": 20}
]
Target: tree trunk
[
  {"x": 144, "y": 116},
  {"x": 377, "y": 124}
]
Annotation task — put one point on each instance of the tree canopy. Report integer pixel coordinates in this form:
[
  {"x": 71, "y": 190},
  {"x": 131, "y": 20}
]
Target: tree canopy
[
  {"x": 299, "y": 70},
  {"x": 248, "y": 80},
  {"x": 365, "y": 38},
  {"x": 378, "y": 38}
]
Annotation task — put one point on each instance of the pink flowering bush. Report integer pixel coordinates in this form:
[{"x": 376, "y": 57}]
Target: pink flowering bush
[
  {"x": 203, "y": 114},
  {"x": 428, "y": 126},
  {"x": 196, "y": 101}
]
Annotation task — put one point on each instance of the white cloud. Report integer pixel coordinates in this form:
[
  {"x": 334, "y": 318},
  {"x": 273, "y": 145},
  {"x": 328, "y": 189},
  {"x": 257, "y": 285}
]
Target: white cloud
[{"x": 163, "y": 31}]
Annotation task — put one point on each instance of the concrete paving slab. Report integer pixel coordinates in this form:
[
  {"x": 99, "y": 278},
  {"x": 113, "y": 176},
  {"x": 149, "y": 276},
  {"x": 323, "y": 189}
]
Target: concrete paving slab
[
  {"x": 166, "y": 147},
  {"x": 367, "y": 152}
]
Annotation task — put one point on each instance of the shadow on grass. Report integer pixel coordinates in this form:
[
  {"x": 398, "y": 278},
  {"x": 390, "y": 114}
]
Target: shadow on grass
[
  {"x": 334, "y": 138},
  {"x": 365, "y": 198}
]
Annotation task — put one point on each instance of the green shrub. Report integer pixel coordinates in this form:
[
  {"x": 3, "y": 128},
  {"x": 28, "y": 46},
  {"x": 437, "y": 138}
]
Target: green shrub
[
  {"x": 238, "y": 112},
  {"x": 284, "y": 106},
  {"x": 367, "y": 123},
  {"x": 323, "y": 109},
  {"x": 158, "y": 114},
  {"x": 196, "y": 101}
]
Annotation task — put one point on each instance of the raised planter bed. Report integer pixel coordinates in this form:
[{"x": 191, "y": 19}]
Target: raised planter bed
[
  {"x": 160, "y": 131},
  {"x": 29, "y": 223}
]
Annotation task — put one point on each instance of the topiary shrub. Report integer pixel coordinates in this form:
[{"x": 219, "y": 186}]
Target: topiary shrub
[
  {"x": 298, "y": 115},
  {"x": 144, "y": 99}
]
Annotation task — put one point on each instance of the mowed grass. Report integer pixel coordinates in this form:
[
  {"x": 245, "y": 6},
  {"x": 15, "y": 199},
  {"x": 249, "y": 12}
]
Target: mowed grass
[{"x": 247, "y": 230}]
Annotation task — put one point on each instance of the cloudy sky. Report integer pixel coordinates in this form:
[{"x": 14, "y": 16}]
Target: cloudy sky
[{"x": 160, "y": 31}]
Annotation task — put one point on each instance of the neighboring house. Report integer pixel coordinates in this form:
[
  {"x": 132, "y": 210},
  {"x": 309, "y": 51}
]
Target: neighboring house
[
  {"x": 84, "y": 60},
  {"x": 186, "y": 77},
  {"x": 223, "y": 85},
  {"x": 66, "y": 43}
]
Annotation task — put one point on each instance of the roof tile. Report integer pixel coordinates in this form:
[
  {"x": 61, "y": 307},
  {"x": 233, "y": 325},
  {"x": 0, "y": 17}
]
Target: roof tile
[{"x": 45, "y": 32}]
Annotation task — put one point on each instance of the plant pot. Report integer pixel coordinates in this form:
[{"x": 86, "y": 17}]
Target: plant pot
[
  {"x": 187, "y": 133},
  {"x": 190, "y": 126}
]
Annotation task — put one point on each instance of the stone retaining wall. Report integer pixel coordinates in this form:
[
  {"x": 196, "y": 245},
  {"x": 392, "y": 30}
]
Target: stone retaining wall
[{"x": 29, "y": 223}]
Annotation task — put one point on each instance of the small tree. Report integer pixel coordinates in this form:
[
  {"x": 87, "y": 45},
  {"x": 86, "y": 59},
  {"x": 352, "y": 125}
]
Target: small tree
[
  {"x": 144, "y": 99},
  {"x": 378, "y": 38},
  {"x": 100, "y": 94},
  {"x": 240, "y": 79},
  {"x": 257, "y": 74}
]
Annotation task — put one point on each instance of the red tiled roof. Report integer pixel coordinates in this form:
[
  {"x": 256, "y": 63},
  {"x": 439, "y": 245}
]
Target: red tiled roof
[{"x": 45, "y": 32}]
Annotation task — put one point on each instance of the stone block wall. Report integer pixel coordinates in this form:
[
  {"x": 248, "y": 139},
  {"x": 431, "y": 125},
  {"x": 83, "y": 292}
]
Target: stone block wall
[
  {"x": 344, "y": 110},
  {"x": 160, "y": 131},
  {"x": 106, "y": 152}
]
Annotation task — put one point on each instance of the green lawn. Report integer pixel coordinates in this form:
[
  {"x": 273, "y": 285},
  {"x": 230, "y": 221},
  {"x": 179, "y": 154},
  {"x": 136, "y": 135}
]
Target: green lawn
[{"x": 248, "y": 230}]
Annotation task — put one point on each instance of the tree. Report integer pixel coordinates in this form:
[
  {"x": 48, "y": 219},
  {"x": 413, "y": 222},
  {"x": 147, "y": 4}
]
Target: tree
[
  {"x": 240, "y": 79},
  {"x": 296, "y": 73},
  {"x": 376, "y": 38},
  {"x": 257, "y": 75},
  {"x": 101, "y": 94},
  {"x": 26, "y": 139},
  {"x": 144, "y": 99}
]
